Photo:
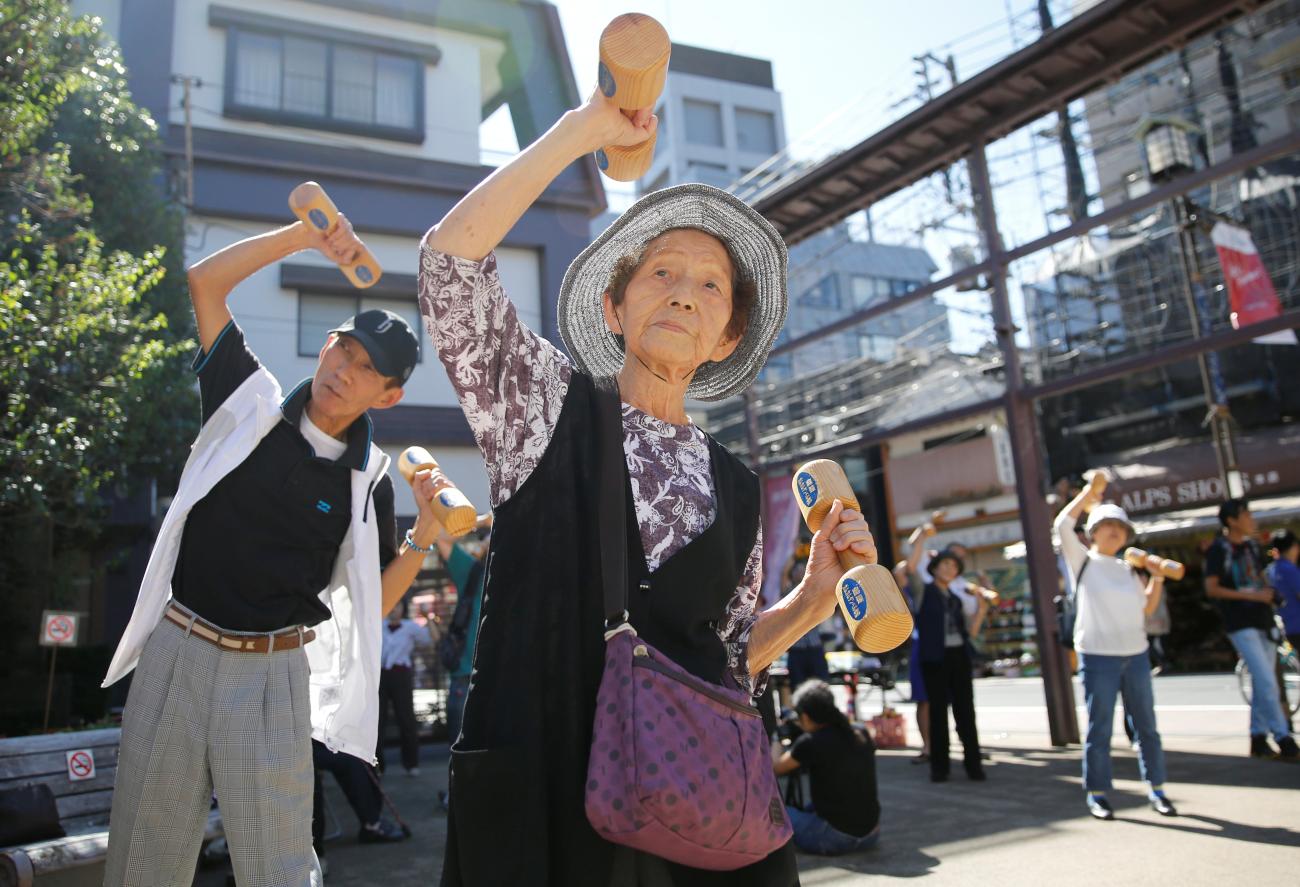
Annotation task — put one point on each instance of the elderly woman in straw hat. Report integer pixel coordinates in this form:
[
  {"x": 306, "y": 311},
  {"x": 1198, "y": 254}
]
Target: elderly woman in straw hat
[{"x": 681, "y": 296}]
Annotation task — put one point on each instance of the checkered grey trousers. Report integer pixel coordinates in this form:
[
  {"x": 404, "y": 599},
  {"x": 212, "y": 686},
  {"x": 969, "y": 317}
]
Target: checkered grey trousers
[{"x": 199, "y": 717}]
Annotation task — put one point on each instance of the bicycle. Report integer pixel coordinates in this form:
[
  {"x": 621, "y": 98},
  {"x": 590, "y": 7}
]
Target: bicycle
[{"x": 1288, "y": 663}]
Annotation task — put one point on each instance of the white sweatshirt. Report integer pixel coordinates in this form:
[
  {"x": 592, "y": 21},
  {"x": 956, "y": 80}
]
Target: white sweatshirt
[{"x": 1110, "y": 600}]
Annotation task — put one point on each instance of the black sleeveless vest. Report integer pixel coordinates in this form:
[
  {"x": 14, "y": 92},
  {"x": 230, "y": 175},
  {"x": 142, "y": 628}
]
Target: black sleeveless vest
[{"x": 519, "y": 767}]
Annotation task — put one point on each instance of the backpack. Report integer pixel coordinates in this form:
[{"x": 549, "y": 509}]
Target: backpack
[
  {"x": 451, "y": 646},
  {"x": 1067, "y": 609}
]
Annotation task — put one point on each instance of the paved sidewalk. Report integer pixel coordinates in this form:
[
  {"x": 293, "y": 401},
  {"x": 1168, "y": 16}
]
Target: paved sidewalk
[{"x": 1240, "y": 819}]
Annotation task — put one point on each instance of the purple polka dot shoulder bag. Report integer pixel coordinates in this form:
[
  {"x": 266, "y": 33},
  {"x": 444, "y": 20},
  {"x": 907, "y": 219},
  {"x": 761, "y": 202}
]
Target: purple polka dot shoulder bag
[{"x": 679, "y": 767}]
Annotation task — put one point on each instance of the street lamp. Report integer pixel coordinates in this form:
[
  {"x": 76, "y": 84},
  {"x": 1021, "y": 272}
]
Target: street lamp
[{"x": 1168, "y": 146}]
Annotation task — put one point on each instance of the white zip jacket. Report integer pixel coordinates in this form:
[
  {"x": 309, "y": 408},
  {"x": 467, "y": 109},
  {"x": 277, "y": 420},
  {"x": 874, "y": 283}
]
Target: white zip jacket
[{"x": 344, "y": 657}]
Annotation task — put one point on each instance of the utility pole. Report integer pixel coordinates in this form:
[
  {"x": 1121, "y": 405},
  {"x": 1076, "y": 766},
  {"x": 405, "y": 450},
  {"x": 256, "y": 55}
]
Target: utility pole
[
  {"x": 188, "y": 83},
  {"x": 926, "y": 91},
  {"x": 1076, "y": 191}
]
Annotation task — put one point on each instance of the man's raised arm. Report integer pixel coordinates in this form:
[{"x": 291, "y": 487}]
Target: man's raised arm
[{"x": 213, "y": 278}]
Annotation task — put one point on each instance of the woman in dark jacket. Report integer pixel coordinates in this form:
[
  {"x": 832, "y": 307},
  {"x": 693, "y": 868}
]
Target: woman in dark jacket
[
  {"x": 943, "y": 645},
  {"x": 689, "y": 285}
]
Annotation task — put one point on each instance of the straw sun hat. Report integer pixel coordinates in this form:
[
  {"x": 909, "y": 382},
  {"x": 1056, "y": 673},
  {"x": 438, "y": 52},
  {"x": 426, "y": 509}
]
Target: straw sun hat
[{"x": 754, "y": 244}]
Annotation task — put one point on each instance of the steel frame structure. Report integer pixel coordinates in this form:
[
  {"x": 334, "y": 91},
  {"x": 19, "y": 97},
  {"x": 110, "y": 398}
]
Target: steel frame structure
[{"x": 1099, "y": 46}]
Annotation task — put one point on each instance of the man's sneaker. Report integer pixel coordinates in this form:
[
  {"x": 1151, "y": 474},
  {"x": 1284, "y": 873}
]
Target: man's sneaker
[
  {"x": 1287, "y": 749},
  {"x": 1259, "y": 747},
  {"x": 1099, "y": 807},
  {"x": 412, "y": 771},
  {"x": 381, "y": 832},
  {"x": 1161, "y": 804}
]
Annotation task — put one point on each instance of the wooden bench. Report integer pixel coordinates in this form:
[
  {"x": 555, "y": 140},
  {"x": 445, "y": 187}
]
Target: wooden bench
[{"x": 83, "y": 804}]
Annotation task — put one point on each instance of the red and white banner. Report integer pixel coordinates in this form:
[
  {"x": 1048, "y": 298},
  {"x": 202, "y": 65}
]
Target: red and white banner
[
  {"x": 780, "y": 533},
  {"x": 1249, "y": 287}
]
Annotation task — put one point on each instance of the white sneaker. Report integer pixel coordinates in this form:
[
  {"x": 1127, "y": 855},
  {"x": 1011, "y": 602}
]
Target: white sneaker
[{"x": 413, "y": 771}]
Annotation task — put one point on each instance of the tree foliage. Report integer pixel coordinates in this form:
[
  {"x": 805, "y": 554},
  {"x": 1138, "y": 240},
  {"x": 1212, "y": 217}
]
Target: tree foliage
[{"x": 94, "y": 320}]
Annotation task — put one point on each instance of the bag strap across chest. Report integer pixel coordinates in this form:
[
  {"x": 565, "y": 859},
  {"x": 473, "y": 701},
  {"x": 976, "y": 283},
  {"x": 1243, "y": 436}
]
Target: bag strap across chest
[{"x": 613, "y": 502}]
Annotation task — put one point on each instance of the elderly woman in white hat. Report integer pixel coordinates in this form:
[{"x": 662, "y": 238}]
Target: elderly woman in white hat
[
  {"x": 682, "y": 296},
  {"x": 1111, "y": 606}
]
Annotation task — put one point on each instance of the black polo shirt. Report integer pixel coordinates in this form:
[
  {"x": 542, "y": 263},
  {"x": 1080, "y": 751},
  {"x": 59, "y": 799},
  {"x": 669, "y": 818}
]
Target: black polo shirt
[{"x": 260, "y": 546}]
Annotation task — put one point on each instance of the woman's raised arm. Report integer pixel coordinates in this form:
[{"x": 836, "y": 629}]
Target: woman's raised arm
[{"x": 486, "y": 214}]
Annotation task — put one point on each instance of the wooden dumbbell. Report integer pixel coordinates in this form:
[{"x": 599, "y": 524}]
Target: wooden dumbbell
[
  {"x": 1097, "y": 479},
  {"x": 874, "y": 608},
  {"x": 1136, "y": 557},
  {"x": 310, "y": 203},
  {"x": 634, "y": 52},
  {"x": 450, "y": 506}
]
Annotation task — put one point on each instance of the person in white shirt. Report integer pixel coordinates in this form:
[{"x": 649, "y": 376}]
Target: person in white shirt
[
  {"x": 401, "y": 638},
  {"x": 1110, "y": 637}
]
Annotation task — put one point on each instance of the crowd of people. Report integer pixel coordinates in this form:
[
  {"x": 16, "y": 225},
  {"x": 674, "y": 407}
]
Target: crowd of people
[{"x": 632, "y": 578}]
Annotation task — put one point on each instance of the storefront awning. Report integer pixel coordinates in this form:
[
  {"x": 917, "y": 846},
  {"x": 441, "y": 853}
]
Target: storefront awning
[{"x": 1274, "y": 509}]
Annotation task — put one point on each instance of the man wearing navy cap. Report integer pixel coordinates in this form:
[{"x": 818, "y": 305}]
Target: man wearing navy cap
[{"x": 279, "y": 549}]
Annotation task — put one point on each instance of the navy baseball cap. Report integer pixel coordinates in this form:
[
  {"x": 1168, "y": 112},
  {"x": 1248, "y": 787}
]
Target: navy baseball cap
[{"x": 389, "y": 339}]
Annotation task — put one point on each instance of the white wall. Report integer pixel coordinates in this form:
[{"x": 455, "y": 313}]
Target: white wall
[
  {"x": 729, "y": 95},
  {"x": 453, "y": 90}
]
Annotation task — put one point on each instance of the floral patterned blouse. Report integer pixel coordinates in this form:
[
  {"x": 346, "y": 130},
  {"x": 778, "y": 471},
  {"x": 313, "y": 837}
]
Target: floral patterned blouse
[{"x": 511, "y": 384}]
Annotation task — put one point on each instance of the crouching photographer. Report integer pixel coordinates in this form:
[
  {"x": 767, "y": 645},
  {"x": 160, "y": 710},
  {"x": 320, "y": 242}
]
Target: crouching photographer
[{"x": 844, "y": 816}]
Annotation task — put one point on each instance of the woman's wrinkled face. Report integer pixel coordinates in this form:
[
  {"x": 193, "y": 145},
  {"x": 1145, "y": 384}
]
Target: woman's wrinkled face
[
  {"x": 1110, "y": 536},
  {"x": 676, "y": 307}
]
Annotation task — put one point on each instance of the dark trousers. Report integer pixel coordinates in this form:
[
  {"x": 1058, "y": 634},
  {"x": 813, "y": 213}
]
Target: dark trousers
[
  {"x": 357, "y": 784},
  {"x": 948, "y": 683},
  {"x": 806, "y": 663},
  {"x": 395, "y": 689}
]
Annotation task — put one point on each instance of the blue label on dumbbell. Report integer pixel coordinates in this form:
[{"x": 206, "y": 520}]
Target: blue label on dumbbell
[
  {"x": 806, "y": 484},
  {"x": 318, "y": 219},
  {"x": 854, "y": 598},
  {"x": 363, "y": 274},
  {"x": 601, "y": 160},
  {"x": 606, "y": 81}
]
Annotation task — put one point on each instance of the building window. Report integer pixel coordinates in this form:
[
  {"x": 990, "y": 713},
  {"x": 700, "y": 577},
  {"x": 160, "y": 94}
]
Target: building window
[
  {"x": 755, "y": 131},
  {"x": 902, "y": 287},
  {"x": 878, "y": 348},
  {"x": 703, "y": 122},
  {"x": 867, "y": 291},
  {"x": 319, "y": 313},
  {"x": 324, "y": 84},
  {"x": 824, "y": 295}
]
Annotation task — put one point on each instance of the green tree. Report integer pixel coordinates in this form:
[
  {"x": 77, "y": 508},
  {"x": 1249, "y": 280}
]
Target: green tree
[{"x": 95, "y": 327}]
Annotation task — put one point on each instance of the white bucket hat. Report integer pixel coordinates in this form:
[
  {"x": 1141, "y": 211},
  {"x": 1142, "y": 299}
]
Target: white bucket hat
[
  {"x": 755, "y": 246},
  {"x": 1108, "y": 511}
]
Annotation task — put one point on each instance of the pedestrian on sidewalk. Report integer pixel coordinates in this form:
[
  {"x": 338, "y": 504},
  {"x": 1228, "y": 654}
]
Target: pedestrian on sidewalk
[
  {"x": 400, "y": 639},
  {"x": 1111, "y": 606},
  {"x": 358, "y": 781},
  {"x": 1284, "y": 577},
  {"x": 840, "y": 760},
  {"x": 1234, "y": 579},
  {"x": 944, "y": 641}
]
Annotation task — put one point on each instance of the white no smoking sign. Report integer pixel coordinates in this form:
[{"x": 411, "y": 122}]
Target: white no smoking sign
[
  {"x": 59, "y": 628},
  {"x": 81, "y": 764}
]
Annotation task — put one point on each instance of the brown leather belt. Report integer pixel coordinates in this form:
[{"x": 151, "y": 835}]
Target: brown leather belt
[{"x": 241, "y": 642}]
